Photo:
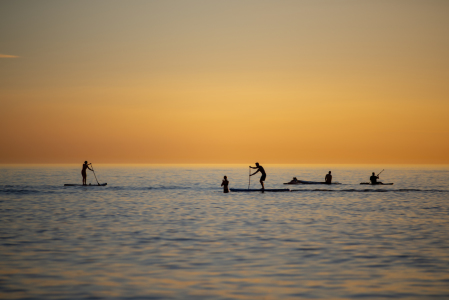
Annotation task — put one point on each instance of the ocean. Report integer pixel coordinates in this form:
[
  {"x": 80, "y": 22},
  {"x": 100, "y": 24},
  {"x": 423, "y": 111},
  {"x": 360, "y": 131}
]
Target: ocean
[{"x": 169, "y": 232}]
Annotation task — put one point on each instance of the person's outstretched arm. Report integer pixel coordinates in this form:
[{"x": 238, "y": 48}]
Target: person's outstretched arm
[{"x": 254, "y": 172}]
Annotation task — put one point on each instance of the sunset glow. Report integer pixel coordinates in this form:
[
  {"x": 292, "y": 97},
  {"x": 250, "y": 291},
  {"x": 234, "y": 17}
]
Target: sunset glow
[{"x": 224, "y": 82}]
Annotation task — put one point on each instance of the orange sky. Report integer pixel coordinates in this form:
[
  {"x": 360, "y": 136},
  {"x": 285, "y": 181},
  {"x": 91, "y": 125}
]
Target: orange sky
[{"x": 224, "y": 81}]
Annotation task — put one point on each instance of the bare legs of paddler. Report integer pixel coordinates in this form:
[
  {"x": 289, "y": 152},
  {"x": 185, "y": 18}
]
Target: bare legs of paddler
[
  {"x": 83, "y": 172},
  {"x": 262, "y": 171}
]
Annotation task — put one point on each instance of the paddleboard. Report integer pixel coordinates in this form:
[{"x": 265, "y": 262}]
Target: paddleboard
[
  {"x": 310, "y": 182},
  {"x": 69, "y": 184},
  {"x": 369, "y": 183},
  {"x": 260, "y": 190}
]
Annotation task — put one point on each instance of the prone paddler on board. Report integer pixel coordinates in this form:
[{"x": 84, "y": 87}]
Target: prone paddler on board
[
  {"x": 83, "y": 171},
  {"x": 294, "y": 181},
  {"x": 262, "y": 171}
]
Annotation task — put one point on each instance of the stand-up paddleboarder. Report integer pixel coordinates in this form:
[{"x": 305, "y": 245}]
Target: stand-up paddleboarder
[
  {"x": 328, "y": 178},
  {"x": 262, "y": 171},
  {"x": 83, "y": 171}
]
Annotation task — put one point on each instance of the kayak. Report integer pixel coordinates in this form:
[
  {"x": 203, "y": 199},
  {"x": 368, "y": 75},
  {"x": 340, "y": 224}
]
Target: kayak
[
  {"x": 310, "y": 182},
  {"x": 260, "y": 190},
  {"x": 101, "y": 184},
  {"x": 369, "y": 183}
]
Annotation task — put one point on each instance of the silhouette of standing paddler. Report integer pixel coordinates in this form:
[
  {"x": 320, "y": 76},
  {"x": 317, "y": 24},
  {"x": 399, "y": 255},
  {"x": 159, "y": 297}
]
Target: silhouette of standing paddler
[
  {"x": 83, "y": 172},
  {"x": 262, "y": 171}
]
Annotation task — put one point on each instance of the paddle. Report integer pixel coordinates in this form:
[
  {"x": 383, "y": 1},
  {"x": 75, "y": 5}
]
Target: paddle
[
  {"x": 94, "y": 174},
  {"x": 380, "y": 172},
  {"x": 249, "y": 177}
]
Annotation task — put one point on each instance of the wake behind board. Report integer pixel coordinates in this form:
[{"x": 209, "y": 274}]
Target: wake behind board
[
  {"x": 260, "y": 190},
  {"x": 369, "y": 183},
  {"x": 70, "y": 184}
]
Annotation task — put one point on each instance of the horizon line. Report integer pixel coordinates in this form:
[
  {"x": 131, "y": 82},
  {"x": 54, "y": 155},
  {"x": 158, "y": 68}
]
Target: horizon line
[{"x": 320, "y": 164}]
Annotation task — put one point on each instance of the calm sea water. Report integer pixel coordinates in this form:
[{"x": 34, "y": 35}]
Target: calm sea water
[{"x": 168, "y": 232}]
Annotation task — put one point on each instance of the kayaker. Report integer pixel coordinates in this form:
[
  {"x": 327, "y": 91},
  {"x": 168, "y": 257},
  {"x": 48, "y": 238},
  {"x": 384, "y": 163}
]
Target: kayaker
[
  {"x": 262, "y": 171},
  {"x": 328, "y": 178},
  {"x": 225, "y": 184},
  {"x": 83, "y": 171},
  {"x": 374, "y": 178}
]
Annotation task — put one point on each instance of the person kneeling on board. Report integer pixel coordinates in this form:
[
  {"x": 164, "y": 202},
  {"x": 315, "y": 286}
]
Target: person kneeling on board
[
  {"x": 83, "y": 171},
  {"x": 262, "y": 171},
  {"x": 225, "y": 184},
  {"x": 328, "y": 178},
  {"x": 374, "y": 178}
]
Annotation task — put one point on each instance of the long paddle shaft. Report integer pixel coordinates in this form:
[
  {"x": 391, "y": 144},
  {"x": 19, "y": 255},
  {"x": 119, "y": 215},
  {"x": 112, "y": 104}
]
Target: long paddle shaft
[
  {"x": 380, "y": 172},
  {"x": 249, "y": 178},
  {"x": 94, "y": 174}
]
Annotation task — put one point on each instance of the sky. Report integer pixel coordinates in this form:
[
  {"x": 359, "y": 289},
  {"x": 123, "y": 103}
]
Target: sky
[{"x": 282, "y": 82}]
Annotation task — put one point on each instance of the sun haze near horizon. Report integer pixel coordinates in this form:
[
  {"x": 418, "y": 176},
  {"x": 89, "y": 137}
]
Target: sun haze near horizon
[{"x": 224, "y": 82}]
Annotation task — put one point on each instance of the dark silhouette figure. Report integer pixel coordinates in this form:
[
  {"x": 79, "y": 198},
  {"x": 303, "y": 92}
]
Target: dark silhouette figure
[
  {"x": 374, "y": 178},
  {"x": 225, "y": 184},
  {"x": 262, "y": 171},
  {"x": 294, "y": 180},
  {"x": 328, "y": 178},
  {"x": 83, "y": 171}
]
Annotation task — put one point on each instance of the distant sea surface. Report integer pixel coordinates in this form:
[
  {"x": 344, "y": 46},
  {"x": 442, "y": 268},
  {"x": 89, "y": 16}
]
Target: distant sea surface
[{"x": 169, "y": 232}]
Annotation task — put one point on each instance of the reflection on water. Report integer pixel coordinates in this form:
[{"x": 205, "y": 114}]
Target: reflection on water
[{"x": 170, "y": 233}]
